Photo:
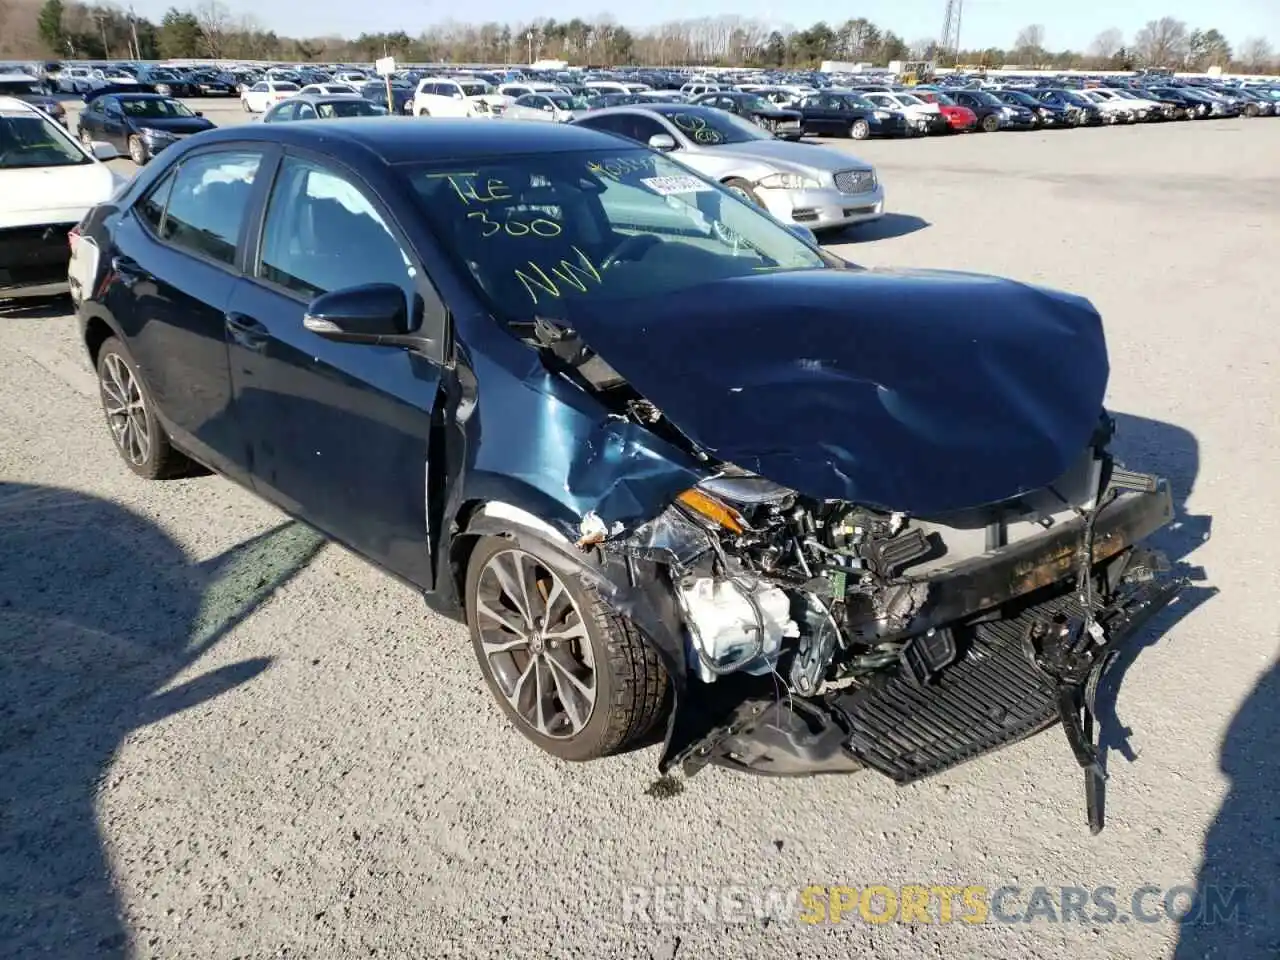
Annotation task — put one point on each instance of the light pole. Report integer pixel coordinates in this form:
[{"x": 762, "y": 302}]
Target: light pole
[{"x": 529, "y": 36}]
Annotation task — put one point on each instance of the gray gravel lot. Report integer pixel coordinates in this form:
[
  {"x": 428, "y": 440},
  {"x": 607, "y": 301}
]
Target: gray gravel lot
[{"x": 220, "y": 738}]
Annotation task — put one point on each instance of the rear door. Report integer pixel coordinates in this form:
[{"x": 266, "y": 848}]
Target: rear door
[
  {"x": 337, "y": 432},
  {"x": 176, "y": 259}
]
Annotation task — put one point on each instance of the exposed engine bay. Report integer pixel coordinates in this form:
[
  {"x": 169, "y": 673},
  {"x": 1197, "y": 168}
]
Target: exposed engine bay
[{"x": 856, "y": 636}]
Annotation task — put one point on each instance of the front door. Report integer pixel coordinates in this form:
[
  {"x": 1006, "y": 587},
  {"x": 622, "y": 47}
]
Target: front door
[{"x": 338, "y": 433}]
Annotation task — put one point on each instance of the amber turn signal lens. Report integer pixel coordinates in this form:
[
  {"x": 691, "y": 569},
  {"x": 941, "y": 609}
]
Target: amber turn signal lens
[{"x": 712, "y": 509}]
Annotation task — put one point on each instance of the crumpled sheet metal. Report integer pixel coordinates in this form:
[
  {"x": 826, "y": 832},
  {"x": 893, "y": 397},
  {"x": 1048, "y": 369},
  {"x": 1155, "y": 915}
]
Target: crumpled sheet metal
[
  {"x": 922, "y": 392},
  {"x": 568, "y": 457}
]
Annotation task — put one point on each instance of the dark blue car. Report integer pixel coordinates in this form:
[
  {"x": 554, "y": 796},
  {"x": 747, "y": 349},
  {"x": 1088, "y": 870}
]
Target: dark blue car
[{"x": 672, "y": 463}]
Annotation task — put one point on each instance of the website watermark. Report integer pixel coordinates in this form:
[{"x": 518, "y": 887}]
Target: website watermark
[{"x": 972, "y": 904}]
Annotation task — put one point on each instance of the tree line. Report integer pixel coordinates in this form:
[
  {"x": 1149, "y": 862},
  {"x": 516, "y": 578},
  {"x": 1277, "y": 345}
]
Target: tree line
[{"x": 73, "y": 29}]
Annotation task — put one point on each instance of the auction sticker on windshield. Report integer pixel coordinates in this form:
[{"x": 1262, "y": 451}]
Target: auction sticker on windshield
[{"x": 667, "y": 186}]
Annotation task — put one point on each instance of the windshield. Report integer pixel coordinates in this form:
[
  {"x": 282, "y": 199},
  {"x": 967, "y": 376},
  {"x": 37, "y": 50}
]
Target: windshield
[
  {"x": 156, "y": 109},
  {"x": 758, "y": 104},
  {"x": 909, "y": 99},
  {"x": 27, "y": 140},
  {"x": 1075, "y": 98},
  {"x": 475, "y": 88},
  {"x": 712, "y": 128},
  {"x": 355, "y": 107},
  {"x": 283, "y": 85},
  {"x": 859, "y": 100},
  {"x": 982, "y": 96},
  {"x": 943, "y": 99},
  {"x": 548, "y": 234},
  {"x": 565, "y": 102},
  {"x": 18, "y": 88}
]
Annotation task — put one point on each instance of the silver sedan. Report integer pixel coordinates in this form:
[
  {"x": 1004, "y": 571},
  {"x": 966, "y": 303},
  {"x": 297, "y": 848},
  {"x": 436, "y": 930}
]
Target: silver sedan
[{"x": 817, "y": 187}]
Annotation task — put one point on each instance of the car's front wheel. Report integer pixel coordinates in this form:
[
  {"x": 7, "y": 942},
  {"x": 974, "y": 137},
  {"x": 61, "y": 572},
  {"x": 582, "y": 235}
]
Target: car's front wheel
[
  {"x": 859, "y": 130},
  {"x": 573, "y": 675},
  {"x": 990, "y": 123},
  {"x": 742, "y": 188},
  {"x": 138, "y": 151},
  {"x": 130, "y": 412}
]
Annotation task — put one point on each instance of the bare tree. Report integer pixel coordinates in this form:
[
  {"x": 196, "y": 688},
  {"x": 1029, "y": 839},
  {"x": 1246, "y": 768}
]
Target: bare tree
[
  {"x": 215, "y": 23},
  {"x": 1163, "y": 43},
  {"x": 1106, "y": 44},
  {"x": 1257, "y": 54},
  {"x": 1030, "y": 39}
]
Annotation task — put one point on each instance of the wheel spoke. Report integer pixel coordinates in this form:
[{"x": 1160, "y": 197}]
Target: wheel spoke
[
  {"x": 576, "y": 695},
  {"x": 513, "y": 591},
  {"x": 576, "y": 631},
  {"x": 567, "y": 695},
  {"x": 503, "y": 621}
]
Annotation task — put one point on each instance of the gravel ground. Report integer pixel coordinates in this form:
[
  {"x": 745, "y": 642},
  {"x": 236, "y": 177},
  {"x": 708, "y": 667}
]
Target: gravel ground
[{"x": 221, "y": 738}]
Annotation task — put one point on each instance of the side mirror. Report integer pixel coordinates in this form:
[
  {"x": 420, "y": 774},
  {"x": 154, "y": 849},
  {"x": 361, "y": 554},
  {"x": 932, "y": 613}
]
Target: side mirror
[
  {"x": 548, "y": 107},
  {"x": 199, "y": 113},
  {"x": 104, "y": 151},
  {"x": 663, "y": 142},
  {"x": 457, "y": 96},
  {"x": 364, "y": 314},
  {"x": 804, "y": 233}
]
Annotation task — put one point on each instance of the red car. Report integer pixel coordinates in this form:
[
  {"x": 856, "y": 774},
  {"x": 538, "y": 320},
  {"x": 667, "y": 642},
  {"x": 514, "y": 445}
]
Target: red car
[{"x": 961, "y": 119}]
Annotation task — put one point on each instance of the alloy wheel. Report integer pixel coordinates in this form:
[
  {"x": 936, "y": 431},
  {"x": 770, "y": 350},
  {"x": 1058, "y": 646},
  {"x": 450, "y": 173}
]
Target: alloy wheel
[
  {"x": 126, "y": 409},
  {"x": 535, "y": 643}
]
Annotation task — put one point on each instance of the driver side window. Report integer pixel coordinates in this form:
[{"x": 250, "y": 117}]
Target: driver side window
[
  {"x": 306, "y": 112},
  {"x": 322, "y": 234}
]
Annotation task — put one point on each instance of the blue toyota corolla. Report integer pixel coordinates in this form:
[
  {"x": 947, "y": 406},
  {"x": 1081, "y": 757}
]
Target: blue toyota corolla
[{"x": 667, "y": 458}]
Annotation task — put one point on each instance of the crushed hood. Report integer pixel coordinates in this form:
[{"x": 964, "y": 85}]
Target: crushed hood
[{"x": 918, "y": 391}]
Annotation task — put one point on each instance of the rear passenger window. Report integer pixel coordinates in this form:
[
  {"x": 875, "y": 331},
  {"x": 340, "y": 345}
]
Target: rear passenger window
[
  {"x": 150, "y": 208},
  {"x": 208, "y": 202},
  {"x": 323, "y": 234}
]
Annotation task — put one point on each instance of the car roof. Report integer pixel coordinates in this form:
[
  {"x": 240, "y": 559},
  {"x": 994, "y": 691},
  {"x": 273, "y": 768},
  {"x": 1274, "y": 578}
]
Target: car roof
[
  {"x": 12, "y": 105},
  {"x": 325, "y": 98},
  {"x": 10, "y": 77},
  {"x": 399, "y": 140}
]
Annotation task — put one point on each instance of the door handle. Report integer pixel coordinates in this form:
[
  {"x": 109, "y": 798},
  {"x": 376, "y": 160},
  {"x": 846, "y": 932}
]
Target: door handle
[{"x": 247, "y": 332}]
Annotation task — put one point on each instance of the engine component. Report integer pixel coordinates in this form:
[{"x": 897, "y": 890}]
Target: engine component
[
  {"x": 735, "y": 624},
  {"x": 816, "y": 648}
]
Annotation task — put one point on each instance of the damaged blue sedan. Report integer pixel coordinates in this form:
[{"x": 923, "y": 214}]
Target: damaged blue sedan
[{"x": 684, "y": 474}]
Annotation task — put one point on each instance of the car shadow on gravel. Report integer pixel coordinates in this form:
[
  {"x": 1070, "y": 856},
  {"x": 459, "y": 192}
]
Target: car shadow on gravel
[
  {"x": 1237, "y": 912},
  {"x": 1171, "y": 452},
  {"x": 37, "y": 308},
  {"x": 100, "y": 612},
  {"x": 888, "y": 227}
]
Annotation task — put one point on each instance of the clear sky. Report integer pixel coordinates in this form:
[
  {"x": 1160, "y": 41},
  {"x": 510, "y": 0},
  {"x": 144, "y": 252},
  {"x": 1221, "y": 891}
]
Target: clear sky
[{"x": 1068, "y": 23}]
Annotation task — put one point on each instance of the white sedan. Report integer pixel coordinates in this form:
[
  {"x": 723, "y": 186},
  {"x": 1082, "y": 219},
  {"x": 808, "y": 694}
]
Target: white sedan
[
  {"x": 1113, "y": 111},
  {"x": 1142, "y": 108},
  {"x": 925, "y": 117},
  {"x": 557, "y": 107},
  {"x": 48, "y": 182},
  {"x": 265, "y": 94}
]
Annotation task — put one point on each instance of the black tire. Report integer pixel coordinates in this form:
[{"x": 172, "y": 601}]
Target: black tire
[
  {"x": 990, "y": 123},
  {"x": 162, "y": 461},
  {"x": 630, "y": 680},
  {"x": 138, "y": 151},
  {"x": 859, "y": 130},
  {"x": 743, "y": 189}
]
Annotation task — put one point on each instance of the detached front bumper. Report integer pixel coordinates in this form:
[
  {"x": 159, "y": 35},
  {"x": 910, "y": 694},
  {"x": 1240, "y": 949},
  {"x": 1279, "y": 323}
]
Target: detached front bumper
[{"x": 823, "y": 209}]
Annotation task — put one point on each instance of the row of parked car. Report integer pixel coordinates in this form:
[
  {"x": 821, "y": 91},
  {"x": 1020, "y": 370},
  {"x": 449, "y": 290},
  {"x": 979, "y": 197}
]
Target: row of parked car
[{"x": 792, "y": 111}]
